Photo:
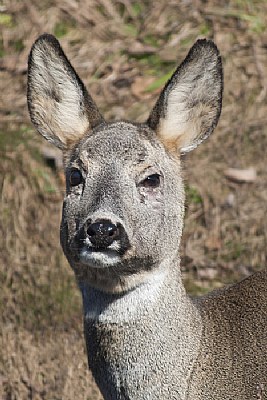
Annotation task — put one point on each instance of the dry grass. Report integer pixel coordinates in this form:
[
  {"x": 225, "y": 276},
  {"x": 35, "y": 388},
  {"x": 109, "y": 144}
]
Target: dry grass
[
  {"x": 42, "y": 352},
  {"x": 121, "y": 49}
]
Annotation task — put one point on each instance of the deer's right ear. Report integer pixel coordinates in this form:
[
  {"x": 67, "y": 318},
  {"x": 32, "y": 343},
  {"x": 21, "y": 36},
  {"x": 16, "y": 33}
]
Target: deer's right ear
[
  {"x": 189, "y": 106},
  {"x": 60, "y": 106}
]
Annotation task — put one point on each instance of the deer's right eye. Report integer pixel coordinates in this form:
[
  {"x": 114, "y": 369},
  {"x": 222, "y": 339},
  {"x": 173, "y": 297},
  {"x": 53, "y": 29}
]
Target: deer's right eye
[{"x": 75, "y": 177}]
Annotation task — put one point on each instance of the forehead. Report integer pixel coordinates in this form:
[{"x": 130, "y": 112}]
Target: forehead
[{"x": 121, "y": 140}]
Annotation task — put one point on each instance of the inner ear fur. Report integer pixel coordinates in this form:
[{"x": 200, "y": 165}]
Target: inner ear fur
[
  {"x": 189, "y": 106},
  {"x": 60, "y": 107}
]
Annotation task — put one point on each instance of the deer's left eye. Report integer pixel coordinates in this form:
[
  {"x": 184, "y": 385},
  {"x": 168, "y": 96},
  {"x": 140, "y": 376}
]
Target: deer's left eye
[
  {"x": 75, "y": 177},
  {"x": 151, "y": 181}
]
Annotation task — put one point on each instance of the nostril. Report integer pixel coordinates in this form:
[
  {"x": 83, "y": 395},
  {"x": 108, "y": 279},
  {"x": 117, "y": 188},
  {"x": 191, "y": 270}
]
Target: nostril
[
  {"x": 91, "y": 231},
  {"x": 102, "y": 233},
  {"x": 112, "y": 230}
]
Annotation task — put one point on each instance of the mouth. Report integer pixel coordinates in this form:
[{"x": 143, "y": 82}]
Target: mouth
[
  {"x": 98, "y": 258},
  {"x": 99, "y": 249}
]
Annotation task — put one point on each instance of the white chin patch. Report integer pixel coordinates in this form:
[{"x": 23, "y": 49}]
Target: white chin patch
[{"x": 99, "y": 259}]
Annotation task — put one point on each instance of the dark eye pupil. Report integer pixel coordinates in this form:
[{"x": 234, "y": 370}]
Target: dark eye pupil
[
  {"x": 75, "y": 178},
  {"x": 152, "y": 181}
]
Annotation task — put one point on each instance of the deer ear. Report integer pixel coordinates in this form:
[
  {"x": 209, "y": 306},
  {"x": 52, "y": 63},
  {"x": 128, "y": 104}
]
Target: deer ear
[
  {"x": 189, "y": 106},
  {"x": 60, "y": 106}
]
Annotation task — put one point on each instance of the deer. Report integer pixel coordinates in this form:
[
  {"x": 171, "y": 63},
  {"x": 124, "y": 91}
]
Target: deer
[{"x": 122, "y": 221}]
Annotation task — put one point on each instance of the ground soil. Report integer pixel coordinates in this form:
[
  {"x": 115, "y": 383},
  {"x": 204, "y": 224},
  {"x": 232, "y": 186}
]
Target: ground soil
[{"x": 124, "y": 51}]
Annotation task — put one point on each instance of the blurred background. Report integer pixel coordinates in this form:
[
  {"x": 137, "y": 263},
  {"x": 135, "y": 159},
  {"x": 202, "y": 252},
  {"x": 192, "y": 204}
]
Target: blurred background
[{"x": 124, "y": 51}]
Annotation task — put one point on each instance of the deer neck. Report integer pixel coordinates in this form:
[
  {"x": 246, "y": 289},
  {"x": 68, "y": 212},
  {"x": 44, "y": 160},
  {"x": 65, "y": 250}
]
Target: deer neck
[{"x": 150, "y": 331}]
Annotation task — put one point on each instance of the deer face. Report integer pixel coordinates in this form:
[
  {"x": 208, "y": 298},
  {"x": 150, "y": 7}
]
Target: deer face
[{"x": 123, "y": 210}]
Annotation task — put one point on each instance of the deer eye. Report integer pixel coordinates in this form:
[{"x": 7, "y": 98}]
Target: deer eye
[
  {"x": 75, "y": 177},
  {"x": 152, "y": 181}
]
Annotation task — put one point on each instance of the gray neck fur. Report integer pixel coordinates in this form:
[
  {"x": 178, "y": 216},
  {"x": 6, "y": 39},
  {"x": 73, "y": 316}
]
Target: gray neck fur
[{"x": 139, "y": 330}]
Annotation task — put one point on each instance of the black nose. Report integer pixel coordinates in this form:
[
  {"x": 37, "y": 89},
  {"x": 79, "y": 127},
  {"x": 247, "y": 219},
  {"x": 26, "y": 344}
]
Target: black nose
[{"x": 102, "y": 233}]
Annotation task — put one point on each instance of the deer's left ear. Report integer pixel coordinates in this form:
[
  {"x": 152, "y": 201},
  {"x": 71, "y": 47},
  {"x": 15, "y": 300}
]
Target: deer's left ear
[{"x": 189, "y": 106}]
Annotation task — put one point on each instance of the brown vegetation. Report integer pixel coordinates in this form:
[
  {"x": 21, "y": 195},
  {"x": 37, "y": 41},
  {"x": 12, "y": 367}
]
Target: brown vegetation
[{"x": 124, "y": 51}]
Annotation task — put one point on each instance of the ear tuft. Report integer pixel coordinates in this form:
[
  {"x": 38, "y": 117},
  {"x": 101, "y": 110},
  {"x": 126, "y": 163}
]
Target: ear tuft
[
  {"x": 59, "y": 104},
  {"x": 189, "y": 106}
]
